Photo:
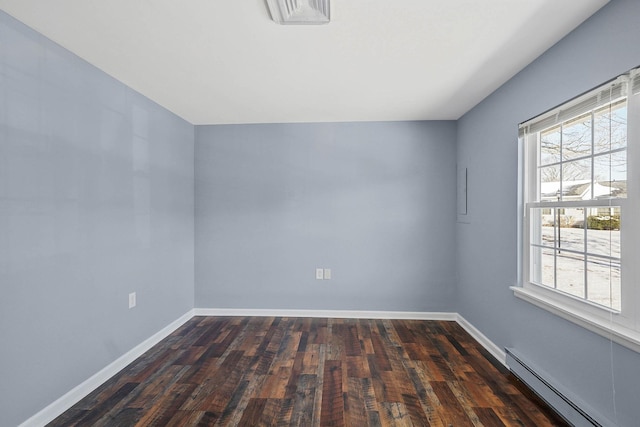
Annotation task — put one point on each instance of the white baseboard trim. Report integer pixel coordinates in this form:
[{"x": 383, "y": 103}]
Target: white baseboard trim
[
  {"x": 76, "y": 394},
  {"x": 489, "y": 345},
  {"x": 336, "y": 314}
]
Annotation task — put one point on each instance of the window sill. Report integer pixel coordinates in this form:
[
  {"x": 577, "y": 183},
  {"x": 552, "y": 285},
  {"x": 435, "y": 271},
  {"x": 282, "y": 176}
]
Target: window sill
[{"x": 617, "y": 333}]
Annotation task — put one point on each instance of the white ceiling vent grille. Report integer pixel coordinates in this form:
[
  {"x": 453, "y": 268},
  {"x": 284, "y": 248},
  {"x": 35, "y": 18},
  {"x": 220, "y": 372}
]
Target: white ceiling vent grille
[{"x": 300, "y": 12}]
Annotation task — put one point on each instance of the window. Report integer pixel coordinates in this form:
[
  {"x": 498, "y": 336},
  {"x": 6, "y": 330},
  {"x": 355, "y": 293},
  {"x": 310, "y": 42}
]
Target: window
[{"x": 581, "y": 222}]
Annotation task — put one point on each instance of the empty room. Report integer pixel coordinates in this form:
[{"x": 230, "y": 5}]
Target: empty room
[{"x": 319, "y": 213}]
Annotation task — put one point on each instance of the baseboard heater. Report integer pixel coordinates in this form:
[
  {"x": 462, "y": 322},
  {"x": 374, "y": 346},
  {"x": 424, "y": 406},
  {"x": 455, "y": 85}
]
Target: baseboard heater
[{"x": 534, "y": 378}]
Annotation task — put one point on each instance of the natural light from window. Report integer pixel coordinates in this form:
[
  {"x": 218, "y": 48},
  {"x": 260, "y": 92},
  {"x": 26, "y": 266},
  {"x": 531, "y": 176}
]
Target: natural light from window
[{"x": 580, "y": 205}]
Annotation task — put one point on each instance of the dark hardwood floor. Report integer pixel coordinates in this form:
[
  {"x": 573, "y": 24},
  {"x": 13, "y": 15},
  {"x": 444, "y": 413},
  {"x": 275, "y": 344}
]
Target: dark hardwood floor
[{"x": 275, "y": 371}]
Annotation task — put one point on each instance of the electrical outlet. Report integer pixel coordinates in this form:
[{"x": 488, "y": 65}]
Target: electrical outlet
[
  {"x": 319, "y": 274},
  {"x": 327, "y": 274},
  {"x": 132, "y": 299}
]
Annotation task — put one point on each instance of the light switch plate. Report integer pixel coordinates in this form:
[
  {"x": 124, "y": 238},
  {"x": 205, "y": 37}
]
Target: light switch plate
[
  {"x": 327, "y": 274},
  {"x": 319, "y": 274}
]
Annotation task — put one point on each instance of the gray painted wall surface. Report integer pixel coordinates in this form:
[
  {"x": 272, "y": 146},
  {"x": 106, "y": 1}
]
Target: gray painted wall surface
[
  {"x": 375, "y": 202},
  {"x": 96, "y": 201},
  {"x": 603, "y": 47}
]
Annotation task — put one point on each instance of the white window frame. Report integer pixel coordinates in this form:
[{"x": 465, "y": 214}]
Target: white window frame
[{"x": 621, "y": 326}]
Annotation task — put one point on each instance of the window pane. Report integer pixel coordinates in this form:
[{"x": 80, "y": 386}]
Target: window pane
[
  {"x": 619, "y": 126},
  {"x": 550, "y": 146},
  {"x": 610, "y": 175},
  {"x": 576, "y": 138},
  {"x": 610, "y": 127},
  {"x": 542, "y": 226},
  {"x": 604, "y": 285},
  {"x": 570, "y": 273},
  {"x": 549, "y": 183},
  {"x": 542, "y": 266},
  {"x": 603, "y": 231},
  {"x": 550, "y": 174},
  {"x": 576, "y": 180},
  {"x": 571, "y": 231}
]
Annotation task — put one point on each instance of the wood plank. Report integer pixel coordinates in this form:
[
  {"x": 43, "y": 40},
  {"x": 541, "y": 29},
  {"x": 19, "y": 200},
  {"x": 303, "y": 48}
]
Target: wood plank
[
  {"x": 481, "y": 394},
  {"x": 429, "y": 402},
  {"x": 368, "y": 392},
  {"x": 355, "y": 411},
  {"x": 403, "y": 329},
  {"x": 317, "y": 408},
  {"x": 125, "y": 417},
  {"x": 394, "y": 414},
  {"x": 465, "y": 402},
  {"x": 253, "y": 412},
  {"x": 454, "y": 413},
  {"x": 233, "y": 403},
  {"x": 332, "y": 412},
  {"x": 114, "y": 401},
  {"x": 364, "y": 334},
  {"x": 414, "y": 409},
  {"x": 286, "y": 411},
  {"x": 211, "y": 333},
  {"x": 185, "y": 418},
  {"x": 310, "y": 359},
  {"x": 352, "y": 341},
  {"x": 357, "y": 367},
  {"x": 303, "y": 402},
  {"x": 275, "y": 386},
  {"x": 380, "y": 353},
  {"x": 156, "y": 388},
  {"x": 218, "y": 399},
  {"x": 168, "y": 405},
  {"x": 201, "y": 396},
  {"x": 271, "y": 412},
  {"x": 488, "y": 417}
]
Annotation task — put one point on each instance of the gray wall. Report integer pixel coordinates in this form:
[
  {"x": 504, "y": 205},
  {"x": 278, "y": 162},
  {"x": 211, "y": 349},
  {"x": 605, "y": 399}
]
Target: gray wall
[
  {"x": 375, "y": 202},
  {"x": 96, "y": 201},
  {"x": 604, "y": 46}
]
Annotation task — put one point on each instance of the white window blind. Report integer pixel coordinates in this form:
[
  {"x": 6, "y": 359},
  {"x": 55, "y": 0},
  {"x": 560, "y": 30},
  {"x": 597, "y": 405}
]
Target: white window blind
[{"x": 628, "y": 83}]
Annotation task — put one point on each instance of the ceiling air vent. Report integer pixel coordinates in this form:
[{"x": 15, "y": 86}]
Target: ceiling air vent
[{"x": 299, "y": 12}]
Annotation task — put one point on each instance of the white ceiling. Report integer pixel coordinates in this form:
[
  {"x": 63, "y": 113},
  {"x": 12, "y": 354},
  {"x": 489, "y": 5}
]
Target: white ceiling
[{"x": 225, "y": 61}]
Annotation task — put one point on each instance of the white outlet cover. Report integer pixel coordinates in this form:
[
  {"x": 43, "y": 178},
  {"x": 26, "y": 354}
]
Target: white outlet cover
[
  {"x": 132, "y": 299},
  {"x": 319, "y": 274},
  {"x": 327, "y": 274}
]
